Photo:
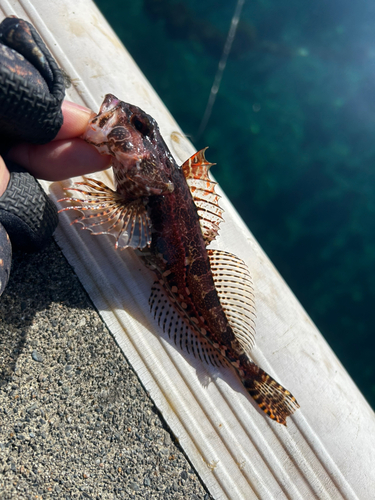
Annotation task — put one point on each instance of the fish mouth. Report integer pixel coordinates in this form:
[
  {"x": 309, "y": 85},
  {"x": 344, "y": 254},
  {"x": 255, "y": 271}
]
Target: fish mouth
[{"x": 132, "y": 138}]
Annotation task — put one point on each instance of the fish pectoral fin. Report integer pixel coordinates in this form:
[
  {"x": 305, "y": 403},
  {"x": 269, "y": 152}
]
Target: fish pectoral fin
[
  {"x": 104, "y": 211},
  {"x": 271, "y": 397},
  {"x": 235, "y": 290},
  {"x": 202, "y": 189},
  {"x": 184, "y": 333}
]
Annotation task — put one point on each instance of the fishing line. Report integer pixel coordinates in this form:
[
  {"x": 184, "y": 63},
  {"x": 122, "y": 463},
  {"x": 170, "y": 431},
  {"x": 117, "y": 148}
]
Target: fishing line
[{"x": 220, "y": 70}]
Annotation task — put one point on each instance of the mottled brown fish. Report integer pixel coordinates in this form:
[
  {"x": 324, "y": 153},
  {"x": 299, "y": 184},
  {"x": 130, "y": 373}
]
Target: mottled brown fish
[{"x": 169, "y": 214}]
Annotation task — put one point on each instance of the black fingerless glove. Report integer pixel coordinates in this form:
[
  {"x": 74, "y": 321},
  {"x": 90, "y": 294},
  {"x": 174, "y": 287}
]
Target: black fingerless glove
[
  {"x": 31, "y": 94},
  {"x": 31, "y": 85}
]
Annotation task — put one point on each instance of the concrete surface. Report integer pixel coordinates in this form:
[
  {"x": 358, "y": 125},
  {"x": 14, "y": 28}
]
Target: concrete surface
[{"x": 75, "y": 422}]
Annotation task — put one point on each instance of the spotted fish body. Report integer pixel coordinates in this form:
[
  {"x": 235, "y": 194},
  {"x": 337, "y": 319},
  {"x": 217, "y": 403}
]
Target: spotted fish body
[{"x": 169, "y": 214}]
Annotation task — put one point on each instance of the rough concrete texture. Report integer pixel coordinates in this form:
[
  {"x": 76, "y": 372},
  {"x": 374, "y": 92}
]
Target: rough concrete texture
[{"x": 75, "y": 422}]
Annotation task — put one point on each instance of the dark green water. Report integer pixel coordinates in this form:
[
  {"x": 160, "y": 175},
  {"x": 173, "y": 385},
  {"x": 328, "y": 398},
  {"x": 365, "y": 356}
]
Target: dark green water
[{"x": 293, "y": 134}]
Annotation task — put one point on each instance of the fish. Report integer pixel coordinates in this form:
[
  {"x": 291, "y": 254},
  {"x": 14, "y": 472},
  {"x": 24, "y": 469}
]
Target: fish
[{"x": 169, "y": 214}]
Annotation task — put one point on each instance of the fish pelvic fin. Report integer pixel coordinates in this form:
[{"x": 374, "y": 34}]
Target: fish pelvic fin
[
  {"x": 202, "y": 189},
  {"x": 104, "y": 211},
  {"x": 271, "y": 397}
]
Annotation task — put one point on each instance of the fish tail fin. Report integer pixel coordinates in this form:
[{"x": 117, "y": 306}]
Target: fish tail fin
[
  {"x": 104, "y": 211},
  {"x": 271, "y": 397}
]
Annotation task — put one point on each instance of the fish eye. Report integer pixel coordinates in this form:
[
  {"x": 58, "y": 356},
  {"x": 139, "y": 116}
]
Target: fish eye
[{"x": 140, "y": 125}]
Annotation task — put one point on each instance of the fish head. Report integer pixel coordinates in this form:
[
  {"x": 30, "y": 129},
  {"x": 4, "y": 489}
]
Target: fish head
[{"x": 133, "y": 138}]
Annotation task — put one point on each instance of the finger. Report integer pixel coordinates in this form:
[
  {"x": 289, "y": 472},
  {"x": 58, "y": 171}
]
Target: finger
[
  {"x": 76, "y": 119},
  {"x": 59, "y": 159}
]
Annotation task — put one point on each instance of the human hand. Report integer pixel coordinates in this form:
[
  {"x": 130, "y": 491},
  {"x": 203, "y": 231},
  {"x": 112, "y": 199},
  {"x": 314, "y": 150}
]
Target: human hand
[
  {"x": 67, "y": 155},
  {"x": 27, "y": 215}
]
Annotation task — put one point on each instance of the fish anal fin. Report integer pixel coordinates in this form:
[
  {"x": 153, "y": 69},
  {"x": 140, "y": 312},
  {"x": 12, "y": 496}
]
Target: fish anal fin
[
  {"x": 271, "y": 397},
  {"x": 235, "y": 290},
  {"x": 202, "y": 189},
  {"x": 104, "y": 211},
  {"x": 176, "y": 323}
]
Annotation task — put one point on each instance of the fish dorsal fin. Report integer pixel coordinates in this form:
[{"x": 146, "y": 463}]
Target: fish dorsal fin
[
  {"x": 235, "y": 290},
  {"x": 202, "y": 189},
  {"x": 176, "y": 323},
  {"x": 105, "y": 211}
]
